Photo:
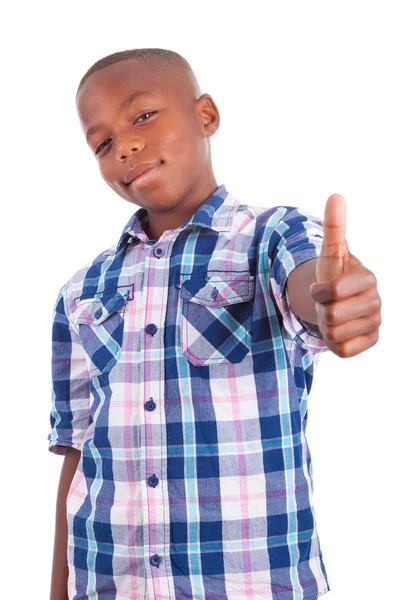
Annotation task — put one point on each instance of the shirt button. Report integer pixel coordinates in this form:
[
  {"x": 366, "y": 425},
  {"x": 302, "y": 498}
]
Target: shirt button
[
  {"x": 150, "y": 404},
  {"x": 152, "y": 480},
  {"x": 151, "y": 328},
  {"x": 155, "y": 560},
  {"x": 214, "y": 293},
  {"x": 158, "y": 252},
  {"x": 98, "y": 313}
]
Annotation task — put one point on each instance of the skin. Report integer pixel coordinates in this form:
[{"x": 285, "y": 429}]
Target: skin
[
  {"x": 177, "y": 133},
  {"x": 59, "y": 574}
]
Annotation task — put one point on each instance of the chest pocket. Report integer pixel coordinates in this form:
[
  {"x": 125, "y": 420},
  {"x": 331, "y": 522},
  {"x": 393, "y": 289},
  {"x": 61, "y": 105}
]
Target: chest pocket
[
  {"x": 216, "y": 320},
  {"x": 101, "y": 328}
]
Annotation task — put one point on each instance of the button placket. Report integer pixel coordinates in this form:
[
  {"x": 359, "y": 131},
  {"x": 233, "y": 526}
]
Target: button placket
[{"x": 156, "y": 316}]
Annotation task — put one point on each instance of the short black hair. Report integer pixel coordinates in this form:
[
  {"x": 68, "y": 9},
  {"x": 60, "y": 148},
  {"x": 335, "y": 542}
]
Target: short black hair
[{"x": 159, "y": 59}]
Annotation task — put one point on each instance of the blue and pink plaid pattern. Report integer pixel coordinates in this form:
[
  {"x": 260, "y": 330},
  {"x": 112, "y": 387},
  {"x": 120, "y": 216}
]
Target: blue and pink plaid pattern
[{"x": 182, "y": 375}]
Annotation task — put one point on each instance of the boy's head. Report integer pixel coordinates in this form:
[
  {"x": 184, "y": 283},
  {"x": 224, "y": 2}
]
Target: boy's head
[{"x": 169, "y": 125}]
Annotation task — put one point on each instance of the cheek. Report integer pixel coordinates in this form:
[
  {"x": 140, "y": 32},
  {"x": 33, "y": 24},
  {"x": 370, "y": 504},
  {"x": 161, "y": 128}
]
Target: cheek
[
  {"x": 105, "y": 169},
  {"x": 181, "y": 145}
]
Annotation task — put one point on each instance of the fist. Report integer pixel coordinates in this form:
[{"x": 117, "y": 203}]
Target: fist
[{"x": 346, "y": 297}]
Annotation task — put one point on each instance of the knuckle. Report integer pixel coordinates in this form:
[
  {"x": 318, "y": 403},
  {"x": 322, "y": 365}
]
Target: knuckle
[
  {"x": 377, "y": 301},
  {"x": 328, "y": 335},
  {"x": 343, "y": 351},
  {"x": 371, "y": 278},
  {"x": 336, "y": 289},
  {"x": 375, "y": 337},
  {"x": 331, "y": 334},
  {"x": 329, "y": 314},
  {"x": 372, "y": 301},
  {"x": 377, "y": 319}
]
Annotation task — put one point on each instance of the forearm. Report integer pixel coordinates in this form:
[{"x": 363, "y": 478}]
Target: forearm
[
  {"x": 59, "y": 576},
  {"x": 298, "y": 288}
]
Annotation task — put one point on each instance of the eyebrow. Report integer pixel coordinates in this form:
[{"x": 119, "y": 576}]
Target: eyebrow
[{"x": 124, "y": 104}]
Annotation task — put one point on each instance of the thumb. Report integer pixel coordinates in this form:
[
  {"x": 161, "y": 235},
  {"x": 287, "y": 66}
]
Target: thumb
[
  {"x": 334, "y": 242},
  {"x": 334, "y": 249}
]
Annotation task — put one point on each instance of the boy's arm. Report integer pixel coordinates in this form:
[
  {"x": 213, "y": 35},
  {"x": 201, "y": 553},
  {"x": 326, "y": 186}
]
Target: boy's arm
[
  {"x": 59, "y": 576},
  {"x": 298, "y": 287}
]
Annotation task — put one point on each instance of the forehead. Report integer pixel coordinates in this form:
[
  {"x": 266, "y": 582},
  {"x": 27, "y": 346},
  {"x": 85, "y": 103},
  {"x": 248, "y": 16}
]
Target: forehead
[{"x": 106, "y": 89}]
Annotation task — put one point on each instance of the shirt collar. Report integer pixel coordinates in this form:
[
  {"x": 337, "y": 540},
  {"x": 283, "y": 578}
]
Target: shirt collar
[{"x": 215, "y": 213}]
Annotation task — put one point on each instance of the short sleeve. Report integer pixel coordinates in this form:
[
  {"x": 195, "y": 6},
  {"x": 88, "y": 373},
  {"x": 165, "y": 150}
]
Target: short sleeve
[
  {"x": 70, "y": 414},
  {"x": 296, "y": 238}
]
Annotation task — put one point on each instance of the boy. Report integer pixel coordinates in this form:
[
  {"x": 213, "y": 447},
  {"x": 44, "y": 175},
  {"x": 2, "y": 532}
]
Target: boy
[{"x": 182, "y": 362}]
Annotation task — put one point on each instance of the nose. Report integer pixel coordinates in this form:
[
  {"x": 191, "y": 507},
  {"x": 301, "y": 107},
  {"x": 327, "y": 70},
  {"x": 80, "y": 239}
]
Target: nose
[{"x": 127, "y": 147}]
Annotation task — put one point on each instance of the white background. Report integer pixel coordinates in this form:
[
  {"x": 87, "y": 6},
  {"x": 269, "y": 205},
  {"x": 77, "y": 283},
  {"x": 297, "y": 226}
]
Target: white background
[{"x": 308, "y": 94}]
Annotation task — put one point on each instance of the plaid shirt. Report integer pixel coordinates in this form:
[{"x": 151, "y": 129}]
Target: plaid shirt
[{"x": 182, "y": 375}]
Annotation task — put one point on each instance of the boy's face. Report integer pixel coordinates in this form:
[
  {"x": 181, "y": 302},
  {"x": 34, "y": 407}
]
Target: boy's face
[{"x": 123, "y": 136}]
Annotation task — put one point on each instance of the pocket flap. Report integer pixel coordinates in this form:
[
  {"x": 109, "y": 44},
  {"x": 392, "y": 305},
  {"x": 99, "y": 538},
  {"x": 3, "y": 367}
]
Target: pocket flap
[
  {"x": 218, "y": 290},
  {"x": 93, "y": 311}
]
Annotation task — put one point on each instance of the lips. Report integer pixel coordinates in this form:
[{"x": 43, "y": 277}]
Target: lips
[{"x": 139, "y": 170}]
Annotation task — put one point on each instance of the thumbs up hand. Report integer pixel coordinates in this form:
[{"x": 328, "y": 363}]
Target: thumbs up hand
[{"x": 348, "y": 305}]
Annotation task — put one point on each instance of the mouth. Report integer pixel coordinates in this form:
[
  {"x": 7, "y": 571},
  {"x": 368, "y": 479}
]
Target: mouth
[{"x": 146, "y": 177}]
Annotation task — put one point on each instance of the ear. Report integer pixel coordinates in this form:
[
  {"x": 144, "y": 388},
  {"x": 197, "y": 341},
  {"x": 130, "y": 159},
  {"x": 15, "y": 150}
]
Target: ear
[{"x": 208, "y": 114}]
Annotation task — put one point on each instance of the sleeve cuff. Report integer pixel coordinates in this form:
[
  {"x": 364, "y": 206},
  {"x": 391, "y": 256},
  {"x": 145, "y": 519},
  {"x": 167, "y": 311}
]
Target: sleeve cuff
[
  {"x": 59, "y": 447},
  {"x": 306, "y": 334}
]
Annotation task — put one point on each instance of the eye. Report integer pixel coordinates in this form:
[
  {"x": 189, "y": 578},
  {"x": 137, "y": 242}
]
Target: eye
[
  {"x": 144, "y": 114},
  {"x": 99, "y": 148}
]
